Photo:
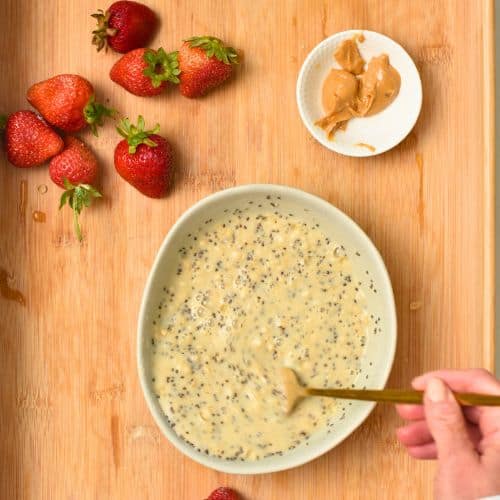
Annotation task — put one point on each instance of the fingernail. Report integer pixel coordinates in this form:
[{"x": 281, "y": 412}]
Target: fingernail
[{"x": 436, "y": 391}]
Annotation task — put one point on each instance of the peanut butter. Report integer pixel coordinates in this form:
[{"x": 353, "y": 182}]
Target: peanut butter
[
  {"x": 353, "y": 92},
  {"x": 339, "y": 92},
  {"x": 379, "y": 86},
  {"x": 348, "y": 56}
]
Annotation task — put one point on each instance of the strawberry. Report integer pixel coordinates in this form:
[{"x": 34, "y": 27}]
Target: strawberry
[
  {"x": 223, "y": 493},
  {"x": 145, "y": 72},
  {"x": 75, "y": 169},
  {"x": 125, "y": 26},
  {"x": 205, "y": 62},
  {"x": 29, "y": 141},
  {"x": 67, "y": 102},
  {"x": 76, "y": 163},
  {"x": 143, "y": 158}
]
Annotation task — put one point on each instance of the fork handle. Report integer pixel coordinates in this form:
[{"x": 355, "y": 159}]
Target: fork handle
[{"x": 402, "y": 396}]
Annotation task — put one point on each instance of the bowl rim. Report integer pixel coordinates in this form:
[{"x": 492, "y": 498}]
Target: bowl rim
[
  {"x": 315, "y": 132},
  {"x": 257, "y": 467}
]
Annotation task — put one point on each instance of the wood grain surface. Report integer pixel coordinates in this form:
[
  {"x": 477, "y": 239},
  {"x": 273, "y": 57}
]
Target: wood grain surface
[{"x": 73, "y": 421}]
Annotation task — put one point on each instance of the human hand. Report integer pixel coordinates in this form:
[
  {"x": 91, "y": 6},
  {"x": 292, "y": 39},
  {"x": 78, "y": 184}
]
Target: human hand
[{"x": 465, "y": 441}]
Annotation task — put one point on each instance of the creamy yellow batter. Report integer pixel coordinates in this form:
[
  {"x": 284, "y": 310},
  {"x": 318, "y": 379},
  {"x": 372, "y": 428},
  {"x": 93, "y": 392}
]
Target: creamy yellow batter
[{"x": 252, "y": 292}]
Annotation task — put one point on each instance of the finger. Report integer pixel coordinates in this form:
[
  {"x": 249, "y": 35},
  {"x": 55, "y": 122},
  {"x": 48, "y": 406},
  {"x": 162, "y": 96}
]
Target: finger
[
  {"x": 490, "y": 446},
  {"x": 446, "y": 423},
  {"x": 415, "y": 434},
  {"x": 475, "y": 435},
  {"x": 425, "y": 452},
  {"x": 472, "y": 413},
  {"x": 474, "y": 380},
  {"x": 411, "y": 412},
  {"x": 416, "y": 412}
]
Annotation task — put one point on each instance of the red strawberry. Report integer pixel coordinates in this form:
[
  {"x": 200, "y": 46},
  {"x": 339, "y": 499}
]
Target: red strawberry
[
  {"x": 29, "y": 141},
  {"x": 124, "y": 26},
  {"x": 76, "y": 163},
  {"x": 75, "y": 169},
  {"x": 223, "y": 493},
  {"x": 68, "y": 103},
  {"x": 145, "y": 72},
  {"x": 205, "y": 62},
  {"x": 143, "y": 158}
]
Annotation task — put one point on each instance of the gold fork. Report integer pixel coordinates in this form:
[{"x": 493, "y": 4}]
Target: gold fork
[{"x": 295, "y": 391}]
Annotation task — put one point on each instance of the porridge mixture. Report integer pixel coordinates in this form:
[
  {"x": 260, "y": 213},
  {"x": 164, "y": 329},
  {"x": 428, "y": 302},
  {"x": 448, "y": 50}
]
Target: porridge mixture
[{"x": 251, "y": 292}]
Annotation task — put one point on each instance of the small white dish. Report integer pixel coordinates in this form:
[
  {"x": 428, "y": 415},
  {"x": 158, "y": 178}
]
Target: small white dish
[
  {"x": 384, "y": 130},
  {"x": 380, "y": 347}
]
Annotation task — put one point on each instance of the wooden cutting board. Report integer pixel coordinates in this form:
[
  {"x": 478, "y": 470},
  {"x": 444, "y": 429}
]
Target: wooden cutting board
[{"x": 73, "y": 420}]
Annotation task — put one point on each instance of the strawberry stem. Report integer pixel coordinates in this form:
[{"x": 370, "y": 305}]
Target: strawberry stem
[
  {"x": 214, "y": 47},
  {"x": 162, "y": 67},
  {"x": 136, "y": 135},
  {"x": 95, "y": 112},
  {"x": 78, "y": 197},
  {"x": 76, "y": 226},
  {"x": 100, "y": 35}
]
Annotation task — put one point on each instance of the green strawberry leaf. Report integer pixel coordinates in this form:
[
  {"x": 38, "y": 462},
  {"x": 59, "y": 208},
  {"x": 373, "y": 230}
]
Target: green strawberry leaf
[
  {"x": 136, "y": 135},
  {"x": 78, "y": 197},
  {"x": 3, "y": 122},
  {"x": 161, "y": 67},
  {"x": 95, "y": 113},
  {"x": 101, "y": 33},
  {"x": 214, "y": 47}
]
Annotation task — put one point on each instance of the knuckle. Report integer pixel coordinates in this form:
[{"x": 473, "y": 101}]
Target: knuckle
[{"x": 447, "y": 414}]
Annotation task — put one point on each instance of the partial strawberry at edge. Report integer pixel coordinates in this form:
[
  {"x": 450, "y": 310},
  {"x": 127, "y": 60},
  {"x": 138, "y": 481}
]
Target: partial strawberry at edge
[
  {"x": 205, "y": 63},
  {"x": 223, "y": 493},
  {"x": 144, "y": 158},
  {"x": 125, "y": 26},
  {"x": 67, "y": 102},
  {"x": 146, "y": 72},
  {"x": 29, "y": 141}
]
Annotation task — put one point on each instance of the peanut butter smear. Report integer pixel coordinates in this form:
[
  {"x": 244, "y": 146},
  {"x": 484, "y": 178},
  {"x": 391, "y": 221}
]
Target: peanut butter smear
[
  {"x": 366, "y": 146},
  {"x": 353, "y": 92}
]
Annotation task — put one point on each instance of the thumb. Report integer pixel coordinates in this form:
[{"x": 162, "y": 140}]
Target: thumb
[{"x": 446, "y": 422}]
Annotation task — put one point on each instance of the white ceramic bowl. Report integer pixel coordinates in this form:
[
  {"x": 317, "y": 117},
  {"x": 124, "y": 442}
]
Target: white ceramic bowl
[
  {"x": 384, "y": 130},
  {"x": 380, "y": 348}
]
